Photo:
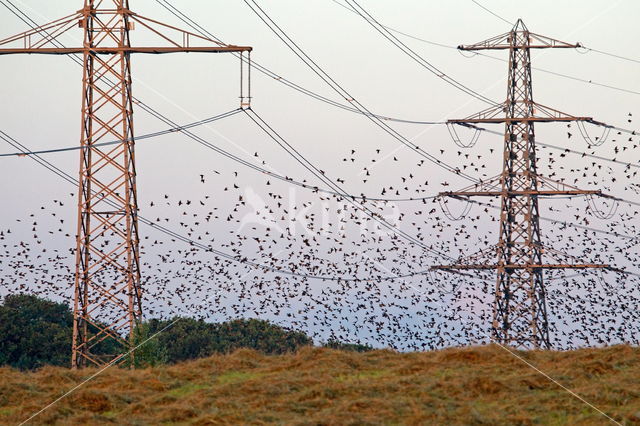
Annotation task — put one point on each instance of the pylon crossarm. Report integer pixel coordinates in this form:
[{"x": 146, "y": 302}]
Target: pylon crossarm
[
  {"x": 556, "y": 256},
  {"x": 543, "y": 42},
  {"x": 116, "y": 50},
  {"x": 505, "y": 41},
  {"x": 493, "y": 43},
  {"x": 38, "y": 37},
  {"x": 515, "y": 193},
  {"x": 541, "y": 113},
  {"x": 490, "y": 113},
  {"x": 501, "y": 42},
  {"x": 178, "y": 40},
  {"x": 600, "y": 123},
  {"x": 547, "y": 187},
  {"x": 610, "y": 197},
  {"x": 519, "y": 266},
  {"x": 560, "y": 186},
  {"x": 544, "y": 112},
  {"x": 181, "y": 38}
]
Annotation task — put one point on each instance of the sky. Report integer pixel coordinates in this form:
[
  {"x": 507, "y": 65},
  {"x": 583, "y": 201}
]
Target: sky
[{"x": 42, "y": 103}]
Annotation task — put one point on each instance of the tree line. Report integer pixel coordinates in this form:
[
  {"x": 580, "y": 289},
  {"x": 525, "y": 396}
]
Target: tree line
[{"x": 35, "y": 332}]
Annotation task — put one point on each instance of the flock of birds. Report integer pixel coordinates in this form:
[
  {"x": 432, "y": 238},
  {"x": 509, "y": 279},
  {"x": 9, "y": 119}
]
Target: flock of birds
[{"x": 329, "y": 269}]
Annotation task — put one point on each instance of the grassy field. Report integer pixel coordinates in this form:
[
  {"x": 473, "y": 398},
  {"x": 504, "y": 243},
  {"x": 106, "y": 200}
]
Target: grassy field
[{"x": 481, "y": 385}]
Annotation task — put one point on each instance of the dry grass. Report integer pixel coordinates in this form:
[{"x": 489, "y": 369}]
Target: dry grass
[{"x": 482, "y": 385}]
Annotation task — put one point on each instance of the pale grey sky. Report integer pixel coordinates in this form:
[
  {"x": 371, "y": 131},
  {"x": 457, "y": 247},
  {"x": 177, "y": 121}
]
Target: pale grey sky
[{"x": 41, "y": 94}]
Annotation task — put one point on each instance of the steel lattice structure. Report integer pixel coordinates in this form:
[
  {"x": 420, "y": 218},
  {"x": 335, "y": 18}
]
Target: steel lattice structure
[
  {"x": 519, "y": 309},
  {"x": 107, "y": 275}
]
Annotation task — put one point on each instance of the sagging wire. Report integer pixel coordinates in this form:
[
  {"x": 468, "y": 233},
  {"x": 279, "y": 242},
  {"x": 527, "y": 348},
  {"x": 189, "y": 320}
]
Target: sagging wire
[
  {"x": 202, "y": 31},
  {"x": 313, "y": 169},
  {"x": 610, "y": 290},
  {"x": 331, "y": 82},
  {"x": 173, "y": 129},
  {"x": 445, "y": 209},
  {"x": 194, "y": 243},
  {"x": 599, "y": 213},
  {"x": 357, "y": 8},
  {"x": 456, "y": 139},
  {"x": 598, "y": 140},
  {"x": 467, "y": 54}
]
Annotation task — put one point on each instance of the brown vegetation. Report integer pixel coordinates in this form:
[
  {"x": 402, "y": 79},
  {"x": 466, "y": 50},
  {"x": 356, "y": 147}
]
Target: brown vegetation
[{"x": 480, "y": 385}]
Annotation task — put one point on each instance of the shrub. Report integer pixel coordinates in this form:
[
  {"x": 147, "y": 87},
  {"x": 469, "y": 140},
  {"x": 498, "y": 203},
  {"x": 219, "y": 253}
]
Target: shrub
[
  {"x": 188, "y": 338},
  {"x": 352, "y": 347},
  {"x": 34, "y": 332}
]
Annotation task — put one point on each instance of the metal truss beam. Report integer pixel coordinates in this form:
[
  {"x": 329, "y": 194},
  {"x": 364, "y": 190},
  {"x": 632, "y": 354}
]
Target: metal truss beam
[
  {"x": 107, "y": 288},
  {"x": 519, "y": 308}
]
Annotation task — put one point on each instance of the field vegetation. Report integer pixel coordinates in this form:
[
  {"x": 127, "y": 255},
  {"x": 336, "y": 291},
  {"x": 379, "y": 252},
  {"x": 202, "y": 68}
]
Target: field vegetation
[{"x": 319, "y": 385}]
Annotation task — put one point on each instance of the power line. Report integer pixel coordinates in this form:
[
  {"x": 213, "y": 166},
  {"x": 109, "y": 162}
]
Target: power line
[
  {"x": 324, "y": 76},
  {"x": 350, "y": 9},
  {"x": 65, "y": 176},
  {"x": 567, "y": 150},
  {"x": 584, "y": 154},
  {"x": 153, "y": 112},
  {"x": 415, "y": 56},
  {"x": 146, "y": 221},
  {"x": 209, "y": 145},
  {"x": 493, "y": 13},
  {"x": 137, "y": 138},
  {"x": 32, "y": 24},
  {"x": 184, "y": 18},
  {"x": 589, "y": 49},
  {"x": 568, "y": 224},
  {"x": 277, "y": 77},
  {"x": 287, "y": 179},
  {"x": 234, "y": 258},
  {"x": 276, "y": 137},
  {"x": 582, "y": 80},
  {"x": 233, "y": 157},
  {"x": 199, "y": 29},
  {"x": 613, "y": 55},
  {"x": 446, "y": 46}
]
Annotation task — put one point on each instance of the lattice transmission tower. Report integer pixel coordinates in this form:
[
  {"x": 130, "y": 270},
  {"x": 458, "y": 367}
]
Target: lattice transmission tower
[
  {"x": 519, "y": 309},
  {"x": 108, "y": 294}
]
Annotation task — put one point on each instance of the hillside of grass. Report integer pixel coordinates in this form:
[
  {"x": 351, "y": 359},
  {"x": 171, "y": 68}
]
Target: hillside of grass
[{"x": 480, "y": 385}]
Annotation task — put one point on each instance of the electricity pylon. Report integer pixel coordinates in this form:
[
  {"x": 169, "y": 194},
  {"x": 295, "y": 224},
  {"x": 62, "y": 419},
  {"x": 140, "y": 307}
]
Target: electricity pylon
[
  {"x": 519, "y": 309},
  {"x": 108, "y": 293}
]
